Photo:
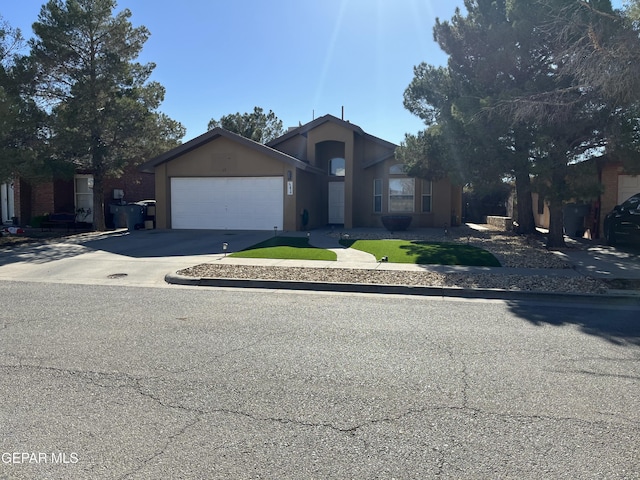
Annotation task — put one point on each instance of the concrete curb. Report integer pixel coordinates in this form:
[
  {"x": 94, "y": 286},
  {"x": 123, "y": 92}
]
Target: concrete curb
[{"x": 478, "y": 293}]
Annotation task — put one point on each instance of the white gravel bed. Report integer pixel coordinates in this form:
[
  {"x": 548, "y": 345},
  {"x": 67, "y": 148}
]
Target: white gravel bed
[
  {"x": 434, "y": 279},
  {"x": 510, "y": 249}
]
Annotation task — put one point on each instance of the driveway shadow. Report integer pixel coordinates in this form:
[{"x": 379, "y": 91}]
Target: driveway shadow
[
  {"x": 137, "y": 244},
  {"x": 619, "y": 326}
]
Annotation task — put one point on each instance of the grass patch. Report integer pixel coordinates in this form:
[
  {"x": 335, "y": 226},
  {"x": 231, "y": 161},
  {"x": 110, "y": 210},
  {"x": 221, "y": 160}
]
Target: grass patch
[
  {"x": 289, "y": 248},
  {"x": 425, "y": 253}
]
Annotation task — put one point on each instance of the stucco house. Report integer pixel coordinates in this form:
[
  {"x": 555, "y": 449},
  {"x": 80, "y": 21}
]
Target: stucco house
[
  {"x": 326, "y": 172},
  {"x": 617, "y": 186}
]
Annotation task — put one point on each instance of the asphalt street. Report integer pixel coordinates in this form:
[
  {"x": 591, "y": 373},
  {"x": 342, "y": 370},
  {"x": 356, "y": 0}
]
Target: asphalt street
[{"x": 117, "y": 382}]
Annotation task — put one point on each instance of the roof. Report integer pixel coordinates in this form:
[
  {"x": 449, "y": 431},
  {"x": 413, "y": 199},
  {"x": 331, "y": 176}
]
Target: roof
[
  {"x": 304, "y": 129},
  {"x": 216, "y": 133}
]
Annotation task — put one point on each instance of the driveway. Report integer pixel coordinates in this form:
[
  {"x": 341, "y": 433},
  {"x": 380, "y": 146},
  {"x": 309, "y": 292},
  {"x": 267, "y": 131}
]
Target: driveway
[
  {"x": 143, "y": 258},
  {"x": 121, "y": 257}
]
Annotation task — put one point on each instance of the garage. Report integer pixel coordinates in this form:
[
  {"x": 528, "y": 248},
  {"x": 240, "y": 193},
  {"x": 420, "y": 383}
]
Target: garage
[
  {"x": 227, "y": 203},
  {"x": 628, "y": 185}
]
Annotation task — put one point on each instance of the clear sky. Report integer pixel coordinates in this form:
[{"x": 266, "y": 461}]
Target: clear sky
[{"x": 299, "y": 58}]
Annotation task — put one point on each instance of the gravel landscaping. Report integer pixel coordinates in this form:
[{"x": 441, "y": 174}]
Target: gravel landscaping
[{"x": 510, "y": 249}]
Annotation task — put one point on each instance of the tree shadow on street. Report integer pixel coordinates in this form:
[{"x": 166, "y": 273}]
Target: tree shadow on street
[{"x": 617, "y": 325}]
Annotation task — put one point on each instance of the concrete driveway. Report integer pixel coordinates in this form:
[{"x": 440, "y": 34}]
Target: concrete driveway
[
  {"x": 143, "y": 258},
  {"x": 121, "y": 258}
]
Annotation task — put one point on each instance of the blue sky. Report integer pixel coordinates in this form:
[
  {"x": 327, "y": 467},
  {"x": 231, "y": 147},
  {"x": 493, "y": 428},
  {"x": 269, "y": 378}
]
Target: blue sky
[{"x": 299, "y": 58}]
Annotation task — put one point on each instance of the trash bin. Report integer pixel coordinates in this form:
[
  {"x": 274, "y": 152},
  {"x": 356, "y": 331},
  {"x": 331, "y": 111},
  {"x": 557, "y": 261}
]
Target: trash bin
[
  {"x": 574, "y": 215},
  {"x": 131, "y": 216},
  {"x": 119, "y": 215},
  {"x": 135, "y": 216}
]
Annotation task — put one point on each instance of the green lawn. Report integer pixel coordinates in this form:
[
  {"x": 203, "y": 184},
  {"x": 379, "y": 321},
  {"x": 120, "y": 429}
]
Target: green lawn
[
  {"x": 290, "y": 248},
  {"x": 425, "y": 253}
]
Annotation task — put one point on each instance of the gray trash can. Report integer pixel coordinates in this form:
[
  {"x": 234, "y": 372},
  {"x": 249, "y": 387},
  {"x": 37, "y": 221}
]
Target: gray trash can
[
  {"x": 574, "y": 215},
  {"x": 119, "y": 215},
  {"x": 135, "y": 216},
  {"x": 130, "y": 216}
]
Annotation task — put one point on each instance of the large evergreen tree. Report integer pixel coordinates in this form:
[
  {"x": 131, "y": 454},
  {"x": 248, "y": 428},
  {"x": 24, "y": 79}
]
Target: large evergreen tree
[
  {"x": 20, "y": 118},
  {"x": 488, "y": 58},
  {"x": 103, "y": 106},
  {"x": 258, "y": 126},
  {"x": 512, "y": 93}
]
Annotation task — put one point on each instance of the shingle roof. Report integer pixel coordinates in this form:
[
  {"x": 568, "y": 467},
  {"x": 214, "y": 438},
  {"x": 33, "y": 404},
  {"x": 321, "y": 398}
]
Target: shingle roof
[
  {"x": 216, "y": 133},
  {"x": 304, "y": 129}
]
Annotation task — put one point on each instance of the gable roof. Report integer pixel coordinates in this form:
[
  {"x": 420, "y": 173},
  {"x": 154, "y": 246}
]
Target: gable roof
[
  {"x": 216, "y": 133},
  {"x": 306, "y": 128}
]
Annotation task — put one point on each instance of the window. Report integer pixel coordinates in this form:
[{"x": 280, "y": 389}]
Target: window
[
  {"x": 401, "y": 193},
  {"x": 540, "y": 204},
  {"x": 427, "y": 188},
  {"x": 397, "y": 169},
  {"x": 337, "y": 167},
  {"x": 377, "y": 195}
]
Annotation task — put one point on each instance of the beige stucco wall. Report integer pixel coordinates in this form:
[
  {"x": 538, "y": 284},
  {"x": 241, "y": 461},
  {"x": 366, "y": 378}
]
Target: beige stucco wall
[
  {"x": 334, "y": 132},
  {"x": 446, "y": 200},
  {"x": 221, "y": 158}
]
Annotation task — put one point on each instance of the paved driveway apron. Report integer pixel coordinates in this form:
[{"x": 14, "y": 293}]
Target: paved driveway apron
[{"x": 121, "y": 257}]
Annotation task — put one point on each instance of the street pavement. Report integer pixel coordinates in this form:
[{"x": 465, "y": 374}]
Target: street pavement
[
  {"x": 145, "y": 258},
  {"x": 104, "y": 382}
]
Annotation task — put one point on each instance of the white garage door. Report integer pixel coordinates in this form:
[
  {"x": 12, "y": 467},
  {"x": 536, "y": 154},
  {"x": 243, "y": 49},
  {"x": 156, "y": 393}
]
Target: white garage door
[
  {"x": 628, "y": 185},
  {"x": 230, "y": 203}
]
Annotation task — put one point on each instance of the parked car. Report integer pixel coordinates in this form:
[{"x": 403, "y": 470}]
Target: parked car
[{"x": 622, "y": 224}]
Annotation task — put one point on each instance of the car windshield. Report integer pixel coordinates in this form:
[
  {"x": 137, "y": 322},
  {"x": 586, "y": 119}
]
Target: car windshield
[{"x": 632, "y": 203}]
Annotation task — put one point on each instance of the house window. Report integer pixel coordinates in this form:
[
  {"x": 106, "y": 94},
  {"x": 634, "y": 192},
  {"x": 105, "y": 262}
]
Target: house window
[
  {"x": 337, "y": 167},
  {"x": 401, "y": 194},
  {"x": 427, "y": 189},
  {"x": 397, "y": 169},
  {"x": 377, "y": 195}
]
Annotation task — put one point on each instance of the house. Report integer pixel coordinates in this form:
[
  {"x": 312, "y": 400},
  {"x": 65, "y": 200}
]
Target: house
[
  {"x": 24, "y": 201},
  {"x": 326, "y": 172},
  {"x": 588, "y": 215}
]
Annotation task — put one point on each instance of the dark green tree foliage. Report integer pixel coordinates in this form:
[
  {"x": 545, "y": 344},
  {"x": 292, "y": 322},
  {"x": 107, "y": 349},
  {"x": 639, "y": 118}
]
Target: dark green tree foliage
[
  {"x": 20, "y": 118},
  {"x": 512, "y": 93},
  {"x": 577, "y": 115},
  {"x": 258, "y": 126},
  {"x": 485, "y": 63},
  {"x": 103, "y": 106}
]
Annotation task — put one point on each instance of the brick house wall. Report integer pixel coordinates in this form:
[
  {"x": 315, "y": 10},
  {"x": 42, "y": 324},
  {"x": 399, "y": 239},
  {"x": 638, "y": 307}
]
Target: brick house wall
[{"x": 57, "y": 196}]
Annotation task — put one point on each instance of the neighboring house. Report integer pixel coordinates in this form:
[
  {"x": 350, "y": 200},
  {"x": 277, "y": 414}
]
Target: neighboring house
[
  {"x": 75, "y": 195},
  {"x": 327, "y": 172},
  {"x": 617, "y": 186}
]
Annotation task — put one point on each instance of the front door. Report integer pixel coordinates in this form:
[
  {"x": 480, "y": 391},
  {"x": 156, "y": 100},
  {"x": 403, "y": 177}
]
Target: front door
[
  {"x": 83, "y": 191},
  {"x": 336, "y": 202},
  {"x": 6, "y": 197}
]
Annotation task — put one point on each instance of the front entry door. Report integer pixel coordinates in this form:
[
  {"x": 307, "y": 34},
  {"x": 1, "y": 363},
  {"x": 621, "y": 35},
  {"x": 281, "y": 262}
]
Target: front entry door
[
  {"x": 336, "y": 202},
  {"x": 6, "y": 197}
]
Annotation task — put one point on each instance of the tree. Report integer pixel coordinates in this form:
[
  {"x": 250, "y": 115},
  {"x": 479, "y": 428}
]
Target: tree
[
  {"x": 103, "y": 108},
  {"x": 20, "y": 118},
  {"x": 577, "y": 110},
  {"x": 512, "y": 86},
  {"x": 487, "y": 59},
  {"x": 257, "y": 125}
]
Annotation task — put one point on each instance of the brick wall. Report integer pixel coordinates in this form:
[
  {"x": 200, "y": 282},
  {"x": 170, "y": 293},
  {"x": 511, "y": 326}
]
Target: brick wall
[
  {"x": 136, "y": 186},
  {"x": 56, "y": 196},
  {"x": 42, "y": 199}
]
